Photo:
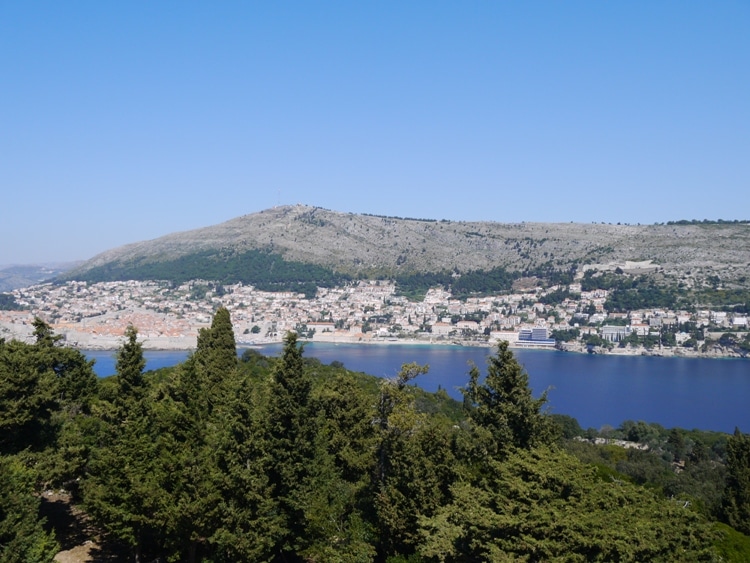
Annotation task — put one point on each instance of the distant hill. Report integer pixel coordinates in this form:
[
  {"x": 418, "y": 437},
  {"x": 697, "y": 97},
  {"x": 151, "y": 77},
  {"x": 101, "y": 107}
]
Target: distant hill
[
  {"x": 297, "y": 245},
  {"x": 18, "y": 276}
]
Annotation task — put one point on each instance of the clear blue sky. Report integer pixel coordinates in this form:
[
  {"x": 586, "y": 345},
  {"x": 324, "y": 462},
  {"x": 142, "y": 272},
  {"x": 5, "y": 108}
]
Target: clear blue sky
[{"x": 125, "y": 121}]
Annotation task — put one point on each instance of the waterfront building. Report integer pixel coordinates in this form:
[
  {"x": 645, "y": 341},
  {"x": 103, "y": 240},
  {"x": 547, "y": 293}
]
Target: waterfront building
[{"x": 614, "y": 333}]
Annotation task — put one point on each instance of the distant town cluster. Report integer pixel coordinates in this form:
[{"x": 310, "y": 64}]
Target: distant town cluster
[{"x": 168, "y": 316}]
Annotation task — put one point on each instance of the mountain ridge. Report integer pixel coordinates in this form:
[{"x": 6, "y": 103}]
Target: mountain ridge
[
  {"x": 14, "y": 276},
  {"x": 363, "y": 245}
]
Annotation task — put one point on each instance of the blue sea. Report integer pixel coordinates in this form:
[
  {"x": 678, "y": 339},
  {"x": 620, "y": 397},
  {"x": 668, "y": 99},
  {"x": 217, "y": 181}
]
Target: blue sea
[{"x": 708, "y": 394}]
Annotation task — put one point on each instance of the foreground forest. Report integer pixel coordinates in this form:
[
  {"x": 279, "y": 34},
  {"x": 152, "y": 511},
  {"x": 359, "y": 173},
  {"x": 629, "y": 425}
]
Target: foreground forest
[{"x": 284, "y": 459}]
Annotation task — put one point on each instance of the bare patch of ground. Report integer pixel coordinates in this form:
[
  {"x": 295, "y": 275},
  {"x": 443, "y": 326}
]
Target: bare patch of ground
[{"x": 80, "y": 541}]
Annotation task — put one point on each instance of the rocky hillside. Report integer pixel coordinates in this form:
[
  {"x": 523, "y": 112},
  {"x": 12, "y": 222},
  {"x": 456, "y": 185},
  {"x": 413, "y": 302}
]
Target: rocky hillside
[{"x": 362, "y": 245}]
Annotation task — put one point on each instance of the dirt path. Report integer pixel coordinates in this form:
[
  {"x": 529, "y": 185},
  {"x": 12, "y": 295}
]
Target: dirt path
[{"x": 80, "y": 541}]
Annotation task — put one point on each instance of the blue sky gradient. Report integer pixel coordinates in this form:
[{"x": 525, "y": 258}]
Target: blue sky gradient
[{"x": 121, "y": 122}]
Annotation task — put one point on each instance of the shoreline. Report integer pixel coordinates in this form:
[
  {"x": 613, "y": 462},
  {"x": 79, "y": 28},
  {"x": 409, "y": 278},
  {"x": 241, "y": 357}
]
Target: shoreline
[
  {"x": 82, "y": 340},
  {"x": 174, "y": 344}
]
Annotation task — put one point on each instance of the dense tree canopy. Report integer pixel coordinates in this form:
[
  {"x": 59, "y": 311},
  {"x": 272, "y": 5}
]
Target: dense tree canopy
[
  {"x": 264, "y": 269},
  {"x": 285, "y": 459},
  {"x": 543, "y": 505}
]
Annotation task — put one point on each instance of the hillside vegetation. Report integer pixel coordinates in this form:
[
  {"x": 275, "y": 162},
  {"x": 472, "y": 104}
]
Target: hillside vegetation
[
  {"x": 336, "y": 246},
  {"x": 263, "y": 459}
]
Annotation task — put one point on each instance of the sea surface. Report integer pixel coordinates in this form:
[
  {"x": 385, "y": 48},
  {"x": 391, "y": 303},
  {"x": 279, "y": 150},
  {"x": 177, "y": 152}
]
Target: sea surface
[{"x": 598, "y": 390}]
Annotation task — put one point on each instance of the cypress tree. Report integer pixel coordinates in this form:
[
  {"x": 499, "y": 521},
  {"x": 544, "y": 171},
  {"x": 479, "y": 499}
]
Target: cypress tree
[
  {"x": 216, "y": 353},
  {"x": 196, "y": 402},
  {"x": 250, "y": 524},
  {"x": 291, "y": 432},
  {"x": 130, "y": 363},
  {"x": 124, "y": 488},
  {"x": 129, "y": 367}
]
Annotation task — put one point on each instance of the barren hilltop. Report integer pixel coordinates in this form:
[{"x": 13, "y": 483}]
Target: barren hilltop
[{"x": 369, "y": 245}]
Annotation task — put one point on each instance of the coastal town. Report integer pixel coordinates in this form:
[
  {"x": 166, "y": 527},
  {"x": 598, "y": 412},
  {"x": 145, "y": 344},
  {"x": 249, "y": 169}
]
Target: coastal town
[{"x": 169, "y": 316}]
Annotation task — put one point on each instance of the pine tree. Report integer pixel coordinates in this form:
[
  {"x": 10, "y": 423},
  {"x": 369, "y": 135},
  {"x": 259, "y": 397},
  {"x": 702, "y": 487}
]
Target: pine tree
[
  {"x": 43, "y": 333},
  {"x": 504, "y": 406}
]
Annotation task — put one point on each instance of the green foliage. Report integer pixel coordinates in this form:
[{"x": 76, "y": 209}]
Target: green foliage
[
  {"x": 75, "y": 381},
  {"x": 403, "y": 490},
  {"x": 737, "y": 300},
  {"x": 708, "y": 222},
  {"x": 567, "y": 335},
  {"x": 480, "y": 282},
  {"x": 291, "y": 437},
  {"x": 46, "y": 392},
  {"x": 629, "y": 293},
  {"x": 41, "y": 387},
  {"x": 731, "y": 545},
  {"x": 592, "y": 280},
  {"x": 552, "y": 275},
  {"x": 567, "y": 427},
  {"x": 263, "y": 269},
  {"x": 438, "y": 403},
  {"x": 43, "y": 333},
  {"x": 596, "y": 340},
  {"x": 543, "y": 505},
  {"x": 641, "y": 296},
  {"x": 22, "y": 535},
  {"x": 676, "y": 444},
  {"x": 558, "y": 296},
  {"x": 475, "y": 282},
  {"x": 287, "y": 459},
  {"x": 701, "y": 481},
  {"x": 736, "y": 503},
  {"x": 414, "y": 286},
  {"x": 248, "y": 524},
  {"x": 125, "y": 483},
  {"x": 27, "y": 398},
  {"x": 216, "y": 351},
  {"x": 503, "y": 404},
  {"x": 129, "y": 367},
  {"x": 8, "y": 303}
]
